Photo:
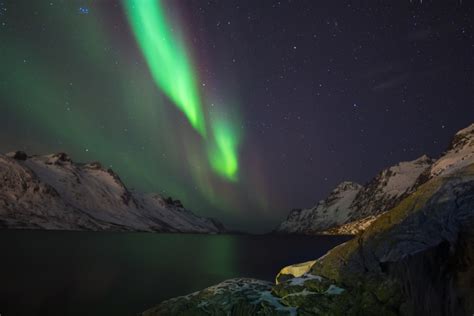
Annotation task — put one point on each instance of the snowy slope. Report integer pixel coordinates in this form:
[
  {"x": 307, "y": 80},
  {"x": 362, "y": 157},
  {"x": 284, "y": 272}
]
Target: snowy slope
[
  {"x": 334, "y": 211},
  {"x": 388, "y": 187},
  {"x": 53, "y": 192},
  {"x": 459, "y": 154},
  {"x": 351, "y": 202}
]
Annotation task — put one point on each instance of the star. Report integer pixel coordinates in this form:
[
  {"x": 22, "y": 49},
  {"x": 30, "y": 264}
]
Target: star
[{"x": 83, "y": 10}]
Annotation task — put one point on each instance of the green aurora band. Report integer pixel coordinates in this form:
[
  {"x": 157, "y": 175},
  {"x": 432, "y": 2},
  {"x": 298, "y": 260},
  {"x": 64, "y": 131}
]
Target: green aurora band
[
  {"x": 166, "y": 57},
  {"x": 222, "y": 154},
  {"x": 172, "y": 71}
]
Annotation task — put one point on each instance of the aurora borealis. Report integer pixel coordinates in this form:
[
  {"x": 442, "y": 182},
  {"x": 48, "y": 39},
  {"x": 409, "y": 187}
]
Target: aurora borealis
[
  {"x": 167, "y": 58},
  {"x": 172, "y": 71},
  {"x": 241, "y": 109}
]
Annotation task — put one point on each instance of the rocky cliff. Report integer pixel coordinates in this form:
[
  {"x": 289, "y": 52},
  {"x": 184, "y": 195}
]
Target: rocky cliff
[{"x": 53, "y": 192}]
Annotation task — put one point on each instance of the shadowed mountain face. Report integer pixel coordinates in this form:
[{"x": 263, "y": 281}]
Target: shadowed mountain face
[
  {"x": 351, "y": 208},
  {"x": 53, "y": 192},
  {"x": 415, "y": 258}
]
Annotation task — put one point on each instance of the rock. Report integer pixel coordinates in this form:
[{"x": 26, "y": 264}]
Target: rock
[
  {"x": 232, "y": 297},
  {"x": 178, "y": 204},
  {"x": 94, "y": 165},
  {"x": 295, "y": 270},
  {"x": 18, "y": 155},
  {"x": 58, "y": 159}
]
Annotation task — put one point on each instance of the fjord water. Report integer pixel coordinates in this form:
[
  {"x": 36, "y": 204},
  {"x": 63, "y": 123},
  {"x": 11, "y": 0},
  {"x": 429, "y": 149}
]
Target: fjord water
[{"x": 90, "y": 273}]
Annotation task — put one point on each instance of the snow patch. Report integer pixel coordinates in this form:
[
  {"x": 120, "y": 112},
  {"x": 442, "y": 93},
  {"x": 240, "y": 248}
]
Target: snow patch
[
  {"x": 274, "y": 301},
  {"x": 299, "y": 281},
  {"x": 334, "y": 290}
]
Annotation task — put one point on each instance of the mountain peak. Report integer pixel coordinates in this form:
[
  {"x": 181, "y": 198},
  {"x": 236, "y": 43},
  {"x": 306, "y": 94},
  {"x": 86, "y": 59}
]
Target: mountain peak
[
  {"x": 423, "y": 159},
  {"x": 460, "y": 153},
  {"x": 347, "y": 185},
  {"x": 53, "y": 192},
  {"x": 467, "y": 131},
  {"x": 58, "y": 158},
  {"x": 463, "y": 138}
]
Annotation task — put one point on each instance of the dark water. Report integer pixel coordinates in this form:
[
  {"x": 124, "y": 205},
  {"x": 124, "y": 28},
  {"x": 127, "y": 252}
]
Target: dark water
[{"x": 86, "y": 273}]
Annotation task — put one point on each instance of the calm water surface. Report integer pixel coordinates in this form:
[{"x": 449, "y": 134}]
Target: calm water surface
[{"x": 88, "y": 273}]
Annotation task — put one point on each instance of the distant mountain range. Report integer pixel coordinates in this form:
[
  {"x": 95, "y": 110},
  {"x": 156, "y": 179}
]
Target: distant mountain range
[
  {"x": 53, "y": 192},
  {"x": 351, "y": 207}
]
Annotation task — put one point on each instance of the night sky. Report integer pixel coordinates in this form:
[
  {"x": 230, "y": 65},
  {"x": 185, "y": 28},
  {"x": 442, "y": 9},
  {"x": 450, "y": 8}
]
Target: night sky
[{"x": 241, "y": 109}]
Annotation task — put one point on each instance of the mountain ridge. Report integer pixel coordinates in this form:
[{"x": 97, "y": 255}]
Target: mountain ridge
[
  {"x": 372, "y": 199},
  {"x": 381, "y": 193},
  {"x": 53, "y": 192}
]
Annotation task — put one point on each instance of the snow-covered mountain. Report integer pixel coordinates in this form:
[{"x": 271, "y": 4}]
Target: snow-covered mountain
[
  {"x": 351, "y": 202},
  {"x": 334, "y": 211},
  {"x": 53, "y": 192},
  {"x": 351, "y": 208},
  {"x": 386, "y": 189}
]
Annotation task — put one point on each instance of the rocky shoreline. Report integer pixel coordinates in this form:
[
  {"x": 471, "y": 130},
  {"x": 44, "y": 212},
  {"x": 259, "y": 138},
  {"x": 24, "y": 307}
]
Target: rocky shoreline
[{"x": 416, "y": 258}]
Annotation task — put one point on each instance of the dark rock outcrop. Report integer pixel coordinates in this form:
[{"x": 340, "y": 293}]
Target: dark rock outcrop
[{"x": 19, "y": 155}]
